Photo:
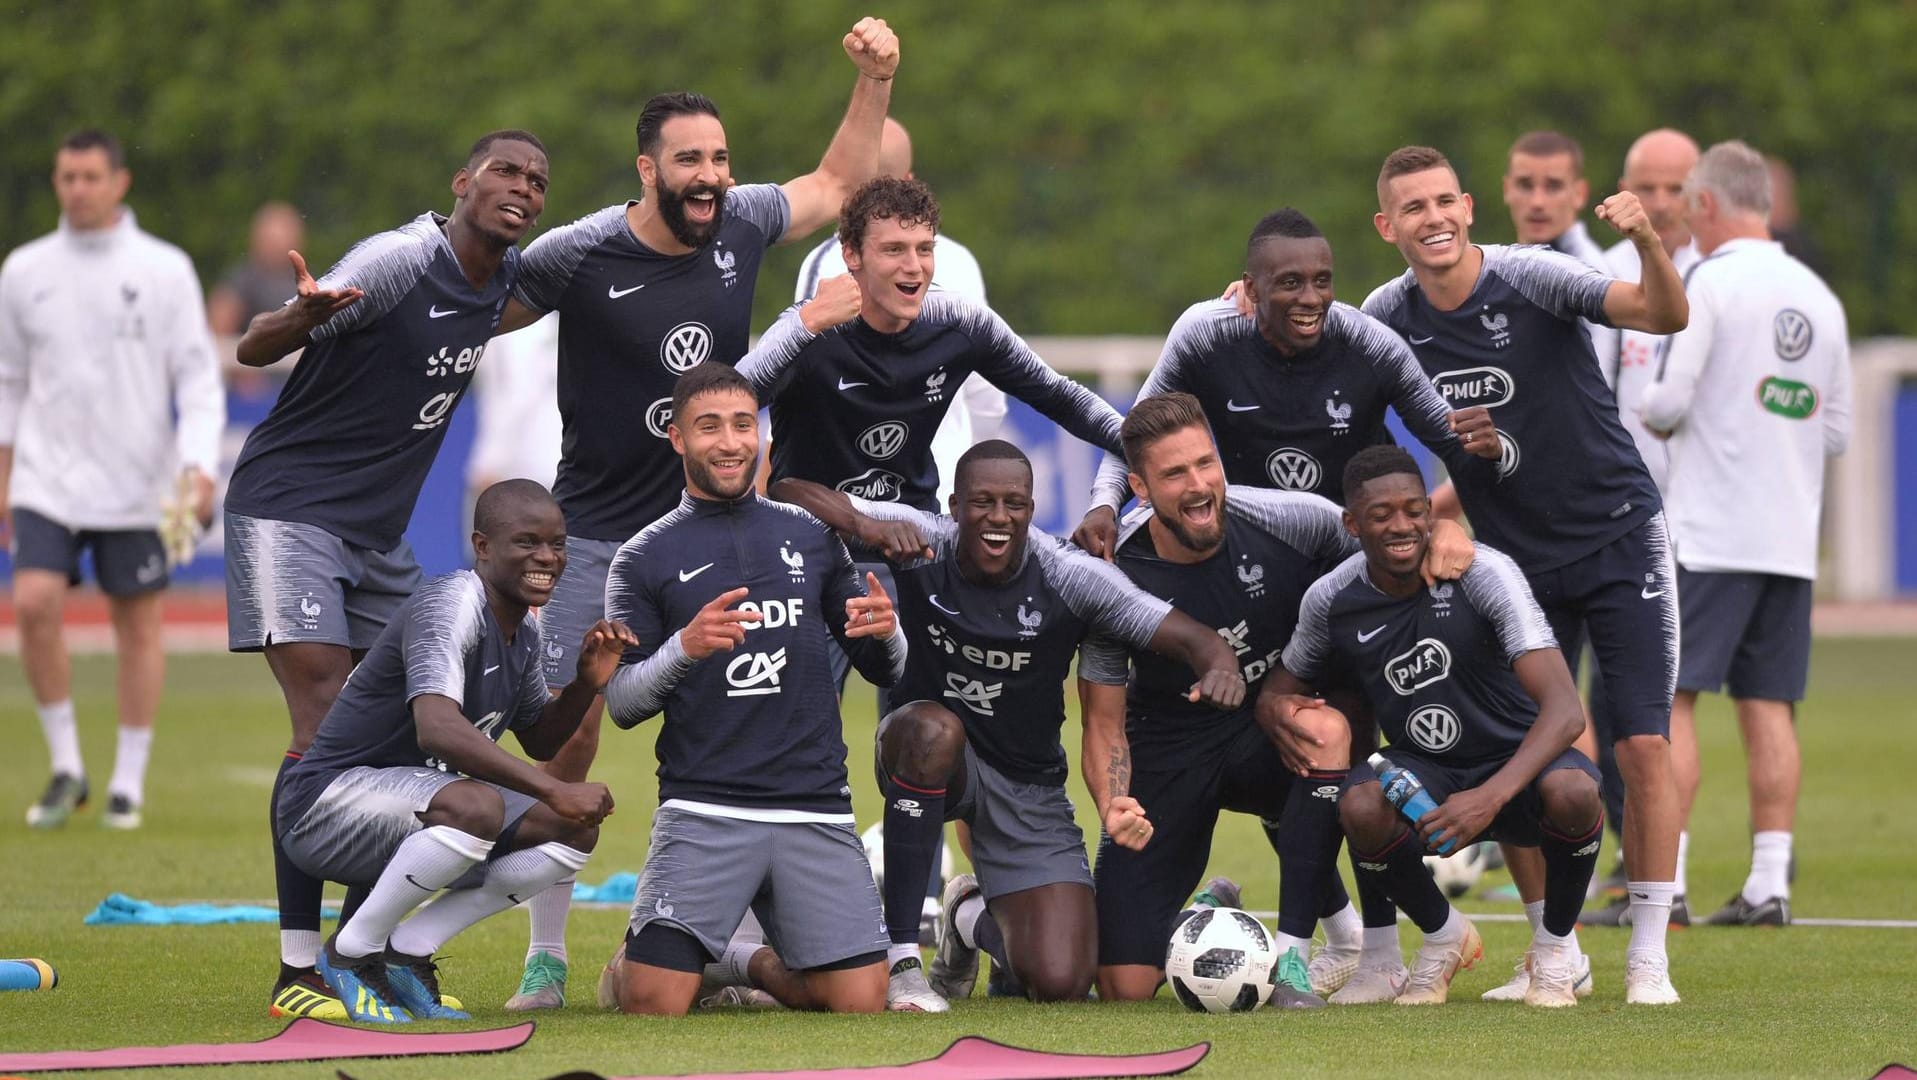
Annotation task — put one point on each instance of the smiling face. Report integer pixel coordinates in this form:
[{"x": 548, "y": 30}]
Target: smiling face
[
  {"x": 719, "y": 439},
  {"x": 1427, "y": 217},
  {"x": 1544, "y": 195},
  {"x": 689, "y": 176},
  {"x": 1391, "y": 517},
  {"x": 502, "y": 195},
  {"x": 1183, "y": 480},
  {"x": 893, "y": 267},
  {"x": 523, "y": 555},
  {"x": 1289, "y": 282},
  {"x": 993, "y": 507}
]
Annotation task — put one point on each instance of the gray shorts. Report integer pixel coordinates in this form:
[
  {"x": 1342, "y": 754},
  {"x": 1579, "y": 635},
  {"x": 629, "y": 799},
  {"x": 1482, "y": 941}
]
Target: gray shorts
[
  {"x": 578, "y": 601},
  {"x": 287, "y": 581},
  {"x": 807, "y": 881},
  {"x": 351, "y": 831},
  {"x": 1023, "y": 835},
  {"x": 126, "y": 562}
]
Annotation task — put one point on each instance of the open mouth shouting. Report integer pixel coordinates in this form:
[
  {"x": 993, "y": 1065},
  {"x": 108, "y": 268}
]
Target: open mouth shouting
[
  {"x": 996, "y": 542},
  {"x": 702, "y": 205}
]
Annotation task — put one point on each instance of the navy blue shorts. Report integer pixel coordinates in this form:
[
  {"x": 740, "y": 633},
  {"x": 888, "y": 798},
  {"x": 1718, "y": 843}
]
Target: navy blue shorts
[
  {"x": 1521, "y": 820},
  {"x": 1625, "y": 596},
  {"x": 127, "y": 562},
  {"x": 1750, "y": 631}
]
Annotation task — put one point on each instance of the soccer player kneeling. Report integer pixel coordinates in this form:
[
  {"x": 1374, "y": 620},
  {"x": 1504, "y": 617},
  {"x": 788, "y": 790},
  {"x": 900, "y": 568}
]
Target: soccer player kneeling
[{"x": 1474, "y": 699}]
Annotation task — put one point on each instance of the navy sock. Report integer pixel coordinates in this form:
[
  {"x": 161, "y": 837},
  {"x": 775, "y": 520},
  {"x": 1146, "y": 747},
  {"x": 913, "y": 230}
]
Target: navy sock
[
  {"x": 355, "y": 896},
  {"x": 1308, "y": 849},
  {"x": 1569, "y": 862},
  {"x": 991, "y": 941},
  {"x": 1335, "y": 897},
  {"x": 935, "y": 881},
  {"x": 299, "y": 894},
  {"x": 914, "y": 819},
  {"x": 1373, "y": 902},
  {"x": 1400, "y": 869}
]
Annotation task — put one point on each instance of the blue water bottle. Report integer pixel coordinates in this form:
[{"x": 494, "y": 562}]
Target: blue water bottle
[{"x": 1403, "y": 790}]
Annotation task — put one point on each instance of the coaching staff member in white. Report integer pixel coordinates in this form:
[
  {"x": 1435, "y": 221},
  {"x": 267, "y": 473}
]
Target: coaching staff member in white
[{"x": 1754, "y": 396}]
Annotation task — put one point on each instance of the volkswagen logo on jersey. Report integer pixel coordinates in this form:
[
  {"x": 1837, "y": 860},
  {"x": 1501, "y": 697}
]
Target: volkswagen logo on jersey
[
  {"x": 1791, "y": 333},
  {"x": 1496, "y": 323},
  {"x": 1293, "y": 469},
  {"x": 976, "y": 694},
  {"x": 1434, "y": 728},
  {"x": 875, "y": 484},
  {"x": 881, "y": 441},
  {"x": 686, "y": 347},
  {"x": 1486, "y": 386},
  {"x": 755, "y": 674},
  {"x": 1507, "y": 455},
  {"x": 1423, "y": 664},
  {"x": 658, "y": 415}
]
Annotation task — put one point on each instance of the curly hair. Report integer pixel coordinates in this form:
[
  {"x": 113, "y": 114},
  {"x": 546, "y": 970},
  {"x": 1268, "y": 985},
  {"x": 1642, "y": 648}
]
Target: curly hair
[{"x": 909, "y": 201}]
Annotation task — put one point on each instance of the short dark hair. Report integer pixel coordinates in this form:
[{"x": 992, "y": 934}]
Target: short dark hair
[
  {"x": 1406, "y": 160},
  {"x": 492, "y": 510},
  {"x": 94, "y": 139},
  {"x": 989, "y": 450},
  {"x": 478, "y": 153},
  {"x": 1385, "y": 459},
  {"x": 1289, "y": 223},
  {"x": 663, "y": 107},
  {"x": 1156, "y": 417},
  {"x": 910, "y": 201},
  {"x": 709, "y": 378},
  {"x": 1549, "y": 144}
]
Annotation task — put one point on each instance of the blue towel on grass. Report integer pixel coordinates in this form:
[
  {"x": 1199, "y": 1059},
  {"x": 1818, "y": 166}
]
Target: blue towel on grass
[
  {"x": 617, "y": 889},
  {"x": 120, "y": 909}
]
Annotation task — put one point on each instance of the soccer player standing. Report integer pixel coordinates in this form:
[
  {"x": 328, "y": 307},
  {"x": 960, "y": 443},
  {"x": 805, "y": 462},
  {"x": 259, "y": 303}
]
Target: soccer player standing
[
  {"x": 102, "y": 338},
  {"x": 1571, "y": 501},
  {"x": 316, "y": 557},
  {"x": 1754, "y": 396}
]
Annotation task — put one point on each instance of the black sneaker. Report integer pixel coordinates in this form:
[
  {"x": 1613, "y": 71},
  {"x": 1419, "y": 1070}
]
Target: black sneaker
[
  {"x": 301, "y": 992},
  {"x": 65, "y": 793},
  {"x": 1741, "y": 912},
  {"x": 1618, "y": 913}
]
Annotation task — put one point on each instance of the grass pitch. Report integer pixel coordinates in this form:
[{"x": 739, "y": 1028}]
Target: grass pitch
[{"x": 1801, "y": 1001}]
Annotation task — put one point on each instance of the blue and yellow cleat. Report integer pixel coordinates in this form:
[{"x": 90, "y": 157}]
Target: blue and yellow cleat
[
  {"x": 360, "y": 982},
  {"x": 415, "y": 983}
]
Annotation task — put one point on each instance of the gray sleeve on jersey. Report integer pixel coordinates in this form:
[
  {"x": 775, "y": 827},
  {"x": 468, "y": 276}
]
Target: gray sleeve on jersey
[
  {"x": 1104, "y": 660},
  {"x": 1008, "y": 363},
  {"x": 939, "y": 531},
  {"x": 1553, "y": 281},
  {"x": 1310, "y": 647},
  {"x": 533, "y": 694},
  {"x": 1197, "y": 332},
  {"x": 771, "y": 363},
  {"x": 764, "y": 206},
  {"x": 442, "y": 628},
  {"x": 1387, "y": 300},
  {"x": 385, "y": 267},
  {"x": 546, "y": 267},
  {"x": 1425, "y": 412},
  {"x": 1311, "y": 523},
  {"x": 648, "y": 672},
  {"x": 809, "y": 270},
  {"x": 1497, "y": 588},
  {"x": 1100, "y": 593}
]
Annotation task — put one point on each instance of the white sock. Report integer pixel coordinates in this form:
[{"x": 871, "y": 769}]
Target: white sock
[
  {"x": 965, "y": 920},
  {"x": 749, "y": 928},
  {"x": 1534, "y": 914},
  {"x": 896, "y": 952},
  {"x": 1683, "y": 857},
  {"x": 1381, "y": 946},
  {"x": 1770, "y": 867},
  {"x": 734, "y": 966},
  {"x": 1450, "y": 933},
  {"x": 510, "y": 880},
  {"x": 428, "y": 861},
  {"x": 1650, "y": 917},
  {"x": 299, "y": 948},
  {"x": 129, "y": 764},
  {"x": 547, "y": 913},
  {"x": 1546, "y": 945},
  {"x": 1284, "y": 943},
  {"x": 1344, "y": 930},
  {"x": 63, "y": 737}
]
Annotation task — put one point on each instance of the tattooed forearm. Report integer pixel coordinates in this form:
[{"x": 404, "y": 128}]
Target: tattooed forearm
[{"x": 1118, "y": 771}]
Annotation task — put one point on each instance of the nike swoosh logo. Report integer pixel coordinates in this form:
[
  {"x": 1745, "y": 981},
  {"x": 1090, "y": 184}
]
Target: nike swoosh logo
[
  {"x": 614, "y": 294},
  {"x": 935, "y": 603},
  {"x": 492, "y": 669},
  {"x": 434, "y": 312},
  {"x": 843, "y": 385},
  {"x": 1235, "y": 407},
  {"x": 1416, "y": 340},
  {"x": 1364, "y": 636},
  {"x": 688, "y": 575},
  {"x": 417, "y": 885},
  {"x": 1649, "y": 595}
]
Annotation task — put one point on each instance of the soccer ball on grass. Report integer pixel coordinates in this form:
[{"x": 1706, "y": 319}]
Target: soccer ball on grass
[{"x": 1221, "y": 960}]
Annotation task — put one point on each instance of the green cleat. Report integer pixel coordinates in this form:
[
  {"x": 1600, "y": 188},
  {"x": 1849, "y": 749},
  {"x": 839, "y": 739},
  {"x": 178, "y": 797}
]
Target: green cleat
[
  {"x": 543, "y": 986},
  {"x": 65, "y": 793},
  {"x": 1291, "y": 983}
]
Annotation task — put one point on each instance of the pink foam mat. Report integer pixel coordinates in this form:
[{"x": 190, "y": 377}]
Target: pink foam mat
[
  {"x": 302, "y": 1040},
  {"x": 973, "y": 1058}
]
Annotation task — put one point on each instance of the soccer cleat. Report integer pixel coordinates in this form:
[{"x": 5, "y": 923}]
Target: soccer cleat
[
  {"x": 415, "y": 983},
  {"x": 542, "y": 986},
  {"x": 745, "y": 997},
  {"x": 1373, "y": 984},
  {"x": 306, "y": 995},
  {"x": 1219, "y": 892},
  {"x": 1291, "y": 983},
  {"x": 1331, "y": 968},
  {"x": 907, "y": 990},
  {"x": 65, "y": 793},
  {"x": 121, "y": 813},
  {"x": 1741, "y": 912},
  {"x": 1647, "y": 981},
  {"x": 1618, "y": 913},
  {"x": 1553, "y": 983},
  {"x": 1521, "y": 980},
  {"x": 608, "y": 993},
  {"x": 360, "y": 982},
  {"x": 955, "y": 966},
  {"x": 1436, "y": 965}
]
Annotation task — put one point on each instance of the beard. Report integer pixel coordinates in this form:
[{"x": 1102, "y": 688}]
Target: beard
[
  {"x": 1192, "y": 539},
  {"x": 701, "y": 477},
  {"x": 672, "y": 210}
]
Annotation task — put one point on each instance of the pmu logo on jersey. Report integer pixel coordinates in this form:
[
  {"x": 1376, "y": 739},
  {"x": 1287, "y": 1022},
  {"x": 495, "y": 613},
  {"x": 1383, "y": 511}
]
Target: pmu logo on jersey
[
  {"x": 1293, "y": 469},
  {"x": 1253, "y": 578},
  {"x": 935, "y": 386},
  {"x": 976, "y": 694},
  {"x": 1028, "y": 621},
  {"x": 1486, "y": 386},
  {"x": 1787, "y": 398},
  {"x": 875, "y": 484},
  {"x": 659, "y": 417},
  {"x": 1441, "y": 598},
  {"x": 1340, "y": 414},
  {"x": 1497, "y": 324},
  {"x": 1791, "y": 333},
  {"x": 883, "y": 440},
  {"x": 794, "y": 563},
  {"x": 685, "y": 347},
  {"x": 1434, "y": 728},
  {"x": 755, "y": 674},
  {"x": 444, "y": 362},
  {"x": 725, "y": 260},
  {"x": 1423, "y": 664}
]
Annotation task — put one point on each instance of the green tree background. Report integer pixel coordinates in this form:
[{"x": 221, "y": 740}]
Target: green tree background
[{"x": 1105, "y": 161}]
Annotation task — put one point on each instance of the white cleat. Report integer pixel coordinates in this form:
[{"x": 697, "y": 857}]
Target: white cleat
[
  {"x": 1554, "y": 981},
  {"x": 1331, "y": 968},
  {"x": 608, "y": 992},
  {"x": 1436, "y": 965},
  {"x": 1647, "y": 981},
  {"x": 907, "y": 990},
  {"x": 1373, "y": 984},
  {"x": 746, "y": 997},
  {"x": 954, "y": 971},
  {"x": 1521, "y": 980}
]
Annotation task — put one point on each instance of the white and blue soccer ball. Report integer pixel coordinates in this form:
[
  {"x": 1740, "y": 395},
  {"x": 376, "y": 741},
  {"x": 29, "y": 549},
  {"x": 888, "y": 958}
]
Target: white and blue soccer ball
[
  {"x": 874, "y": 841},
  {"x": 1458, "y": 872},
  {"x": 1221, "y": 960}
]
